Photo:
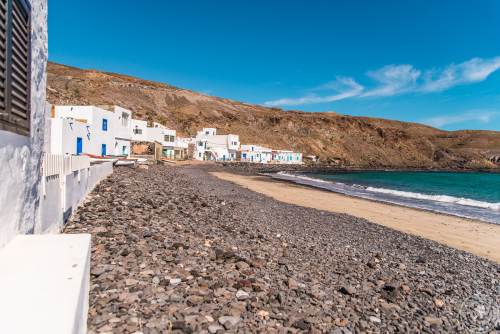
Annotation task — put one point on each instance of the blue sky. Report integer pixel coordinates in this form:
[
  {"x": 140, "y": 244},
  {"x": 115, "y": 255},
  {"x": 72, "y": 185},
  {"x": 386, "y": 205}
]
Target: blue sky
[{"x": 435, "y": 62}]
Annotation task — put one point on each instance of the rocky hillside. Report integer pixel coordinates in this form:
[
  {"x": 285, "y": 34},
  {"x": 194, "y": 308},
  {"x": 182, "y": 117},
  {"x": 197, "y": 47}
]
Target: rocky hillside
[{"x": 356, "y": 141}]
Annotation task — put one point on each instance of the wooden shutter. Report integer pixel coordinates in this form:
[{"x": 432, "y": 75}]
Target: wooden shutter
[
  {"x": 17, "y": 71},
  {"x": 3, "y": 60}
]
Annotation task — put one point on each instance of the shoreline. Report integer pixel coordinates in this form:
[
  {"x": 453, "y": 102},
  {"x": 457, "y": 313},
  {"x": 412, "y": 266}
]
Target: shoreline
[
  {"x": 263, "y": 168},
  {"x": 473, "y": 236}
]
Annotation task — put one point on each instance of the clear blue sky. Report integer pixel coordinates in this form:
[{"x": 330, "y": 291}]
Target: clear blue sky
[{"x": 430, "y": 61}]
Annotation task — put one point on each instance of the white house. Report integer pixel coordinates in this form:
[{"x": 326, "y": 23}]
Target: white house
[
  {"x": 287, "y": 157},
  {"x": 256, "y": 154},
  {"x": 44, "y": 277},
  {"x": 70, "y": 136},
  {"x": 107, "y": 131},
  {"x": 122, "y": 129},
  {"x": 173, "y": 147},
  {"x": 210, "y": 146},
  {"x": 139, "y": 130}
]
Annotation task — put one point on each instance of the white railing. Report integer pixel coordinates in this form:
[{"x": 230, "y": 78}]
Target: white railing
[{"x": 55, "y": 164}]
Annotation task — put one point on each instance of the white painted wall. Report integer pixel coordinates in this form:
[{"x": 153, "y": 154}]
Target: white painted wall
[
  {"x": 287, "y": 157},
  {"x": 139, "y": 130},
  {"x": 64, "y": 133},
  {"x": 94, "y": 117},
  {"x": 216, "y": 147},
  {"x": 64, "y": 193},
  {"x": 20, "y": 156},
  {"x": 256, "y": 154},
  {"x": 157, "y": 133}
]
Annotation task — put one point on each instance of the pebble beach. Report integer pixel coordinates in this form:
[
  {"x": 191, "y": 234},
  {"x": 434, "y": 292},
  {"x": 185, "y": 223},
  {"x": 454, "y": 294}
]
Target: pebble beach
[{"x": 177, "y": 250}]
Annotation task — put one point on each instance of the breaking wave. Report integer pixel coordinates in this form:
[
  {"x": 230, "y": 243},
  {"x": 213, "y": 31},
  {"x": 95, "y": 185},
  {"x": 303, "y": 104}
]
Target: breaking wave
[{"x": 462, "y": 207}]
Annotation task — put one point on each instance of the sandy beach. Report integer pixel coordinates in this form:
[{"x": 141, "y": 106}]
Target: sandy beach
[{"x": 476, "y": 237}]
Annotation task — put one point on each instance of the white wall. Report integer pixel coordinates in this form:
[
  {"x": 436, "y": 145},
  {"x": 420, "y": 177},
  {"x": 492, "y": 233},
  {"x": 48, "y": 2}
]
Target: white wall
[
  {"x": 223, "y": 147},
  {"x": 256, "y": 154},
  {"x": 141, "y": 125},
  {"x": 20, "y": 156},
  {"x": 94, "y": 117},
  {"x": 65, "y": 131},
  {"x": 64, "y": 193}
]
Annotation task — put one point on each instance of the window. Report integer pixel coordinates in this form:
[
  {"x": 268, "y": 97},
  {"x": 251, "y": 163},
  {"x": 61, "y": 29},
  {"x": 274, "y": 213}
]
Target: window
[
  {"x": 125, "y": 119},
  {"x": 200, "y": 143},
  {"x": 104, "y": 124},
  {"x": 15, "y": 66},
  {"x": 103, "y": 150},
  {"x": 137, "y": 131},
  {"x": 169, "y": 139},
  {"x": 244, "y": 155}
]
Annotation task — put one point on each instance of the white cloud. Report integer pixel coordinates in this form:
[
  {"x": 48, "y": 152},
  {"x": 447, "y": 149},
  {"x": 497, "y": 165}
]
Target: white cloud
[
  {"x": 474, "y": 70},
  {"x": 393, "y": 80},
  {"x": 399, "y": 79},
  {"x": 482, "y": 116},
  {"x": 344, "y": 88}
]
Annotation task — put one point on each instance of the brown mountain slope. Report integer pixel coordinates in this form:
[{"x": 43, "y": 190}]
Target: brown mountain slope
[{"x": 358, "y": 141}]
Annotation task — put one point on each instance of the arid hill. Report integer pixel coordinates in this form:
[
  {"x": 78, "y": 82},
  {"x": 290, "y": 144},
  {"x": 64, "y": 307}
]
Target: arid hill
[{"x": 356, "y": 141}]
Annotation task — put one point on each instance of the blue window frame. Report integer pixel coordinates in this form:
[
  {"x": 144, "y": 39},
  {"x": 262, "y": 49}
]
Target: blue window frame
[
  {"x": 244, "y": 155},
  {"x": 79, "y": 145},
  {"x": 103, "y": 149},
  {"x": 104, "y": 124}
]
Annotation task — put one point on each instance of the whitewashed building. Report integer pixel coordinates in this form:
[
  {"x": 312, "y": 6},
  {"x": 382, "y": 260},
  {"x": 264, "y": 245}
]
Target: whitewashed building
[
  {"x": 91, "y": 130},
  {"x": 44, "y": 280},
  {"x": 256, "y": 154},
  {"x": 208, "y": 145},
  {"x": 287, "y": 157},
  {"x": 172, "y": 146}
]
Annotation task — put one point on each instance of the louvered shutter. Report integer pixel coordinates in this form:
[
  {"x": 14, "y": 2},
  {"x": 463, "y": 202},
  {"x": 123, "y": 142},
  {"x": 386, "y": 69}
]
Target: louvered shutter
[
  {"x": 4, "y": 115},
  {"x": 16, "y": 72}
]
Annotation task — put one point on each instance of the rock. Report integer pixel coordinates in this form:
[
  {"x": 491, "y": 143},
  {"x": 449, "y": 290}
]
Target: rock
[
  {"x": 292, "y": 284},
  {"x": 347, "y": 290},
  {"x": 433, "y": 321},
  {"x": 214, "y": 328},
  {"x": 341, "y": 322},
  {"x": 375, "y": 320},
  {"x": 175, "y": 281},
  {"x": 391, "y": 291},
  {"x": 229, "y": 321},
  {"x": 242, "y": 295},
  {"x": 439, "y": 302},
  {"x": 241, "y": 265},
  {"x": 98, "y": 271},
  {"x": 420, "y": 259},
  {"x": 263, "y": 315},
  {"x": 302, "y": 324},
  {"x": 130, "y": 282}
]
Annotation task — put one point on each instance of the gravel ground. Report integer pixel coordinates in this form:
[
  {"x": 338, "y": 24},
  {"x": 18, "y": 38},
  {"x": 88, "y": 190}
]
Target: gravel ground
[{"x": 177, "y": 250}]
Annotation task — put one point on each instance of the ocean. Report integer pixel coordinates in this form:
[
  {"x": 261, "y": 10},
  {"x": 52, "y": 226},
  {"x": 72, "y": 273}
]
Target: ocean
[{"x": 473, "y": 195}]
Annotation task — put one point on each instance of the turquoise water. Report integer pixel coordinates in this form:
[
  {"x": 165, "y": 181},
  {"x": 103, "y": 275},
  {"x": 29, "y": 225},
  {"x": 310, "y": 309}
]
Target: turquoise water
[
  {"x": 473, "y": 195},
  {"x": 477, "y": 186}
]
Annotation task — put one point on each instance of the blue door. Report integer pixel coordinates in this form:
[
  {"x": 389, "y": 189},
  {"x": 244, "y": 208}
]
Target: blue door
[
  {"x": 103, "y": 149},
  {"x": 79, "y": 145}
]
